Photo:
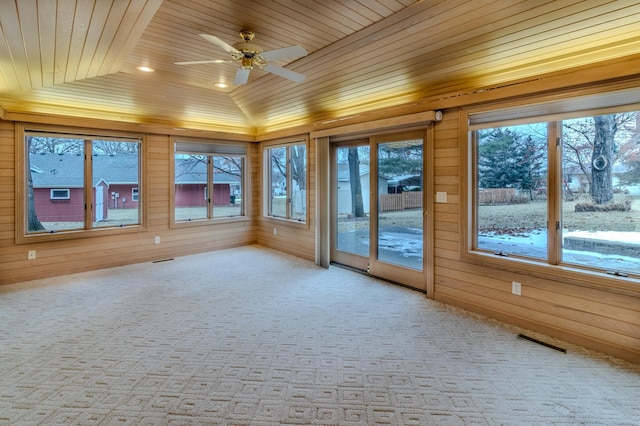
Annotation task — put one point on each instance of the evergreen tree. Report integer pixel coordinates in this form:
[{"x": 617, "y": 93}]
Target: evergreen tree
[
  {"x": 498, "y": 165},
  {"x": 506, "y": 160},
  {"x": 532, "y": 158}
]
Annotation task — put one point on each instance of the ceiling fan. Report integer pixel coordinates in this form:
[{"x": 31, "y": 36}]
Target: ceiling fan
[{"x": 250, "y": 55}]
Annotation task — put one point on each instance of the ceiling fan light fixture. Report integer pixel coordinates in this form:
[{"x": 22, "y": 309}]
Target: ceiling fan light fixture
[
  {"x": 250, "y": 55},
  {"x": 247, "y": 35},
  {"x": 247, "y": 63}
]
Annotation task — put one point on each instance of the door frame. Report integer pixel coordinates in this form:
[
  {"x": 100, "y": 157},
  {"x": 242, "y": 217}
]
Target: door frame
[
  {"x": 419, "y": 280},
  {"x": 351, "y": 260}
]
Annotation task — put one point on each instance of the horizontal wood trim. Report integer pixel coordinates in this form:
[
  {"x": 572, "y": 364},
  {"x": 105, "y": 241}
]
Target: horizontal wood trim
[
  {"x": 629, "y": 353},
  {"x": 483, "y": 275},
  {"x": 386, "y": 123},
  {"x": 575, "y": 325}
]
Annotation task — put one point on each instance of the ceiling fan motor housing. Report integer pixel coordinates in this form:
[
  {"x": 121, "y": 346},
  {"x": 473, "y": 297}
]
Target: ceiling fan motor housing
[
  {"x": 250, "y": 55},
  {"x": 249, "y": 52}
]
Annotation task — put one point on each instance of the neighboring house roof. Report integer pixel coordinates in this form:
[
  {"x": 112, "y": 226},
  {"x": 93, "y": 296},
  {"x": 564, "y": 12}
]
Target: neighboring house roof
[
  {"x": 188, "y": 171},
  {"x": 343, "y": 171},
  {"x": 407, "y": 180},
  {"x": 67, "y": 171},
  {"x": 57, "y": 170},
  {"x": 51, "y": 170}
]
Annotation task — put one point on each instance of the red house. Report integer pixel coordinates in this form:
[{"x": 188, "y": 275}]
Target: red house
[
  {"x": 58, "y": 185},
  {"x": 191, "y": 183},
  {"x": 58, "y": 182}
]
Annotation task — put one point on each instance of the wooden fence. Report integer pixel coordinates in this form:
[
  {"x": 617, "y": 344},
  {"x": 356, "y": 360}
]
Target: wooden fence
[
  {"x": 496, "y": 196},
  {"x": 405, "y": 200}
]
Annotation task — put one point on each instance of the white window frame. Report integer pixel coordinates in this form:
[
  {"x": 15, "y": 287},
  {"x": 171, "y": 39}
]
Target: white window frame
[
  {"x": 135, "y": 194},
  {"x": 53, "y": 197}
]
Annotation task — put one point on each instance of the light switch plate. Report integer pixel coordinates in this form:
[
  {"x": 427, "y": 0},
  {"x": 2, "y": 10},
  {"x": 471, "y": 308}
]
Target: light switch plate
[{"x": 516, "y": 288}]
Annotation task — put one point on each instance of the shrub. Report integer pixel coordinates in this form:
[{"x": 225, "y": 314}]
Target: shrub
[
  {"x": 519, "y": 199},
  {"x": 616, "y": 206}
]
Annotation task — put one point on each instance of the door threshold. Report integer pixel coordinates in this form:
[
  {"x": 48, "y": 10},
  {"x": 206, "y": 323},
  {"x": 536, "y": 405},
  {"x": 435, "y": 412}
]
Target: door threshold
[{"x": 364, "y": 272}]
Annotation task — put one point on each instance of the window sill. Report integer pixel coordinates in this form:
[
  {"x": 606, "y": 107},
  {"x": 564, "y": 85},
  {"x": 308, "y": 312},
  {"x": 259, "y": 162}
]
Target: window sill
[
  {"x": 209, "y": 222},
  {"x": 293, "y": 222},
  {"x": 77, "y": 234},
  {"x": 563, "y": 274}
]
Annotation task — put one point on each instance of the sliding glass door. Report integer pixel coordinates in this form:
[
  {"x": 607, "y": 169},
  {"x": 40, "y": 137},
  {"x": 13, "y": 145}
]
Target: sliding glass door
[
  {"x": 352, "y": 205},
  {"x": 378, "y": 207}
]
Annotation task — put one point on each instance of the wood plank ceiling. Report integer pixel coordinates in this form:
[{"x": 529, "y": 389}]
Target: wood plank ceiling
[{"x": 80, "y": 57}]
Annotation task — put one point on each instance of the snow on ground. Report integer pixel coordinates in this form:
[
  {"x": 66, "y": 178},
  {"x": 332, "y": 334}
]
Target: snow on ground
[
  {"x": 407, "y": 244},
  {"x": 535, "y": 245}
]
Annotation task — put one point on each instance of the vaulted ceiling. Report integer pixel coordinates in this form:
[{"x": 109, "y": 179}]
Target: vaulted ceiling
[{"x": 81, "y": 57}]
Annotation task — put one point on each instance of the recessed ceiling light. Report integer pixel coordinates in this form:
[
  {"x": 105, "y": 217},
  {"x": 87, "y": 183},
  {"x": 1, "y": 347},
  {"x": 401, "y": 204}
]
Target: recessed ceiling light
[
  {"x": 221, "y": 85},
  {"x": 145, "y": 68}
]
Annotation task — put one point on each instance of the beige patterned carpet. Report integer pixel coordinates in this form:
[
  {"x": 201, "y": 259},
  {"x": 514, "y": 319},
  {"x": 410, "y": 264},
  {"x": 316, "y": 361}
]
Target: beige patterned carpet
[{"x": 250, "y": 336}]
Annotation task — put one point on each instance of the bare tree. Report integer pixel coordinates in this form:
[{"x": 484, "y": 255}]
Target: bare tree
[
  {"x": 44, "y": 144},
  {"x": 297, "y": 160},
  {"x": 33, "y": 223},
  {"x": 602, "y": 159},
  {"x": 114, "y": 147},
  {"x": 594, "y": 145},
  {"x": 357, "y": 203},
  {"x": 299, "y": 165}
]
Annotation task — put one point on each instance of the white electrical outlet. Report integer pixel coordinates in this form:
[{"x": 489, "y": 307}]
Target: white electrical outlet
[
  {"x": 157, "y": 240},
  {"x": 441, "y": 197},
  {"x": 275, "y": 231},
  {"x": 516, "y": 288},
  {"x": 31, "y": 254}
]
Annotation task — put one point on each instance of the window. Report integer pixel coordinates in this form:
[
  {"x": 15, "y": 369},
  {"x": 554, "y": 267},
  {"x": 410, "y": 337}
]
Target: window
[
  {"x": 511, "y": 197},
  {"x": 209, "y": 181},
  {"x": 286, "y": 169},
  {"x": 563, "y": 189},
  {"x": 60, "y": 194},
  {"x": 72, "y": 183},
  {"x": 134, "y": 194}
]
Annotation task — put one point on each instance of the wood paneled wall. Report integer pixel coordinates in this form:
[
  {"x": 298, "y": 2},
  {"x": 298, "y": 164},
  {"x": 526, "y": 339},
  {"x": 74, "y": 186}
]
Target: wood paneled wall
[
  {"x": 596, "y": 318},
  {"x": 84, "y": 254},
  {"x": 291, "y": 237}
]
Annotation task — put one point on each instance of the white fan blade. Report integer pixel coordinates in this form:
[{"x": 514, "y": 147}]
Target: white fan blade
[
  {"x": 242, "y": 76},
  {"x": 215, "y": 40},
  {"x": 285, "y": 52},
  {"x": 283, "y": 72},
  {"x": 208, "y": 61}
]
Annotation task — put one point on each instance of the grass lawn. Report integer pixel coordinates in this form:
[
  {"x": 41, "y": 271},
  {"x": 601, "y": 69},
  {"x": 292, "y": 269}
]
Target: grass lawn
[
  {"x": 520, "y": 218},
  {"x": 525, "y": 217},
  {"x": 499, "y": 218},
  {"x": 117, "y": 217}
]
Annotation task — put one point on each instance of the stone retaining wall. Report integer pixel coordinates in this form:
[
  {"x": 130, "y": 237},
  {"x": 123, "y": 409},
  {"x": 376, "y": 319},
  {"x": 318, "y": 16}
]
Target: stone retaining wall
[{"x": 602, "y": 246}]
